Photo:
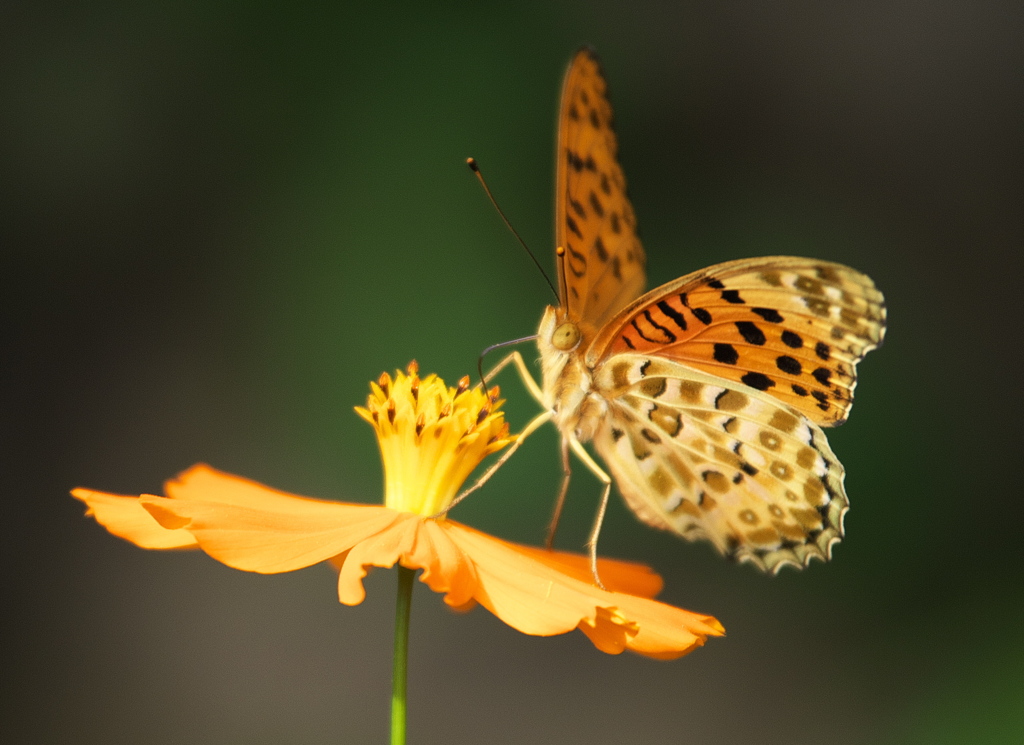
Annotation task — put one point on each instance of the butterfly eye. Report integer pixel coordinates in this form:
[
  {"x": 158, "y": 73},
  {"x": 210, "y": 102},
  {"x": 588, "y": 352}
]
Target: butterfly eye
[{"x": 566, "y": 337}]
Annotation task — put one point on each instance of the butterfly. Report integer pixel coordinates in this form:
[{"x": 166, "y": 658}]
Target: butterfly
[{"x": 707, "y": 396}]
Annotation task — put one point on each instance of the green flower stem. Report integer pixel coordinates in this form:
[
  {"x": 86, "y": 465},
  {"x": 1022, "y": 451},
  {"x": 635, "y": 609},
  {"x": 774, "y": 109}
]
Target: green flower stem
[{"x": 399, "y": 675}]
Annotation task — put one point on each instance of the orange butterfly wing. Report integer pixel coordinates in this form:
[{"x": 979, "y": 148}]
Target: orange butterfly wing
[
  {"x": 603, "y": 266},
  {"x": 794, "y": 328}
]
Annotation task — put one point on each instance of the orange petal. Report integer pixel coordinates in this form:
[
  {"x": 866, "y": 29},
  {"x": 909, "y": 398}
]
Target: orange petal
[
  {"x": 537, "y": 597},
  {"x": 252, "y": 527},
  {"x": 629, "y": 577},
  {"x": 205, "y": 484},
  {"x": 126, "y": 518},
  {"x": 446, "y": 568},
  {"x": 279, "y": 535},
  {"x": 664, "y": 630},
  {"x": 382, "y": 550},
  {"x": 415, "y": 543}
]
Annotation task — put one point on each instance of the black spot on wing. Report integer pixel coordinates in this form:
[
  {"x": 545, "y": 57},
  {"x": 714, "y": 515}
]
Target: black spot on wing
[
  {"x": 792, "y": 340},
  {"x": 573, "y": 226},
  {"x": 732, "y": 296},
  {"x": 823, "y": 350},
  {"x": 668, "y": 334},
  {"x": 702, "y": 315},
  {"x": 757, "y": 380},
  {"x": 595, "y": 204},
  {"x": 715, "y": 284},
  {"x": 650, "y": 436},
  {"x": 751, "y": 333},
  {"x": 726, "y": 353},
  {"x": 672, "y": 313},
  {"x": 577, "y": 261},
  {"x": 788, "y": 365},
  {"x": 822, "y": 375},
  {"x": 769, "y": 314},
  {"x": 799, "y": 389}
]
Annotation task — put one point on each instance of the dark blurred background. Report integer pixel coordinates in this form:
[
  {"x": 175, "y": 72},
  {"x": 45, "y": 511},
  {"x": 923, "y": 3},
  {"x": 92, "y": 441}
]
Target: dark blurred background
[{"x": 221, "y": 220}]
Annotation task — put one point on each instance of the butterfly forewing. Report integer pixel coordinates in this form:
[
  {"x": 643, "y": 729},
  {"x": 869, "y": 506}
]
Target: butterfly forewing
[
  {"x": 791, "y": 327},
  {"x": 603, "y": 266},
  {"x": 705, "y": 458}
]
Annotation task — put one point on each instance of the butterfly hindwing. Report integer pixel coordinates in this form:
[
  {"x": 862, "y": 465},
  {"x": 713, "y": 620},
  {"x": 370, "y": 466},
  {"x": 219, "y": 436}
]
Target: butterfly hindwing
[
  {"x": 603, "y": 266},
  {"x": 697, "y": 455},
  {"x": 794, "y": 328}
]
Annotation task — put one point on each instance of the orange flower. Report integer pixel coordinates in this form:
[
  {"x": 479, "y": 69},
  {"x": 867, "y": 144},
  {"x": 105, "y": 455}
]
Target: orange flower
[{"x": 431, "y": 437}]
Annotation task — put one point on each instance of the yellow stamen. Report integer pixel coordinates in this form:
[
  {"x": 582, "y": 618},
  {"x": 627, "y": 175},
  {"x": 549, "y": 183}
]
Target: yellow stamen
[{"x": 432, "y": 436}]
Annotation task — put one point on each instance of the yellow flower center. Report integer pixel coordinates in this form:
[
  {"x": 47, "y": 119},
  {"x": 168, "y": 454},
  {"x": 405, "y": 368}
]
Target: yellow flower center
[{"x": 431, "y": 436}]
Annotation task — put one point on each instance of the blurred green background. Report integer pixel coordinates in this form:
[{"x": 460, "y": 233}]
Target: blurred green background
[{"x": 221, "y": 220}]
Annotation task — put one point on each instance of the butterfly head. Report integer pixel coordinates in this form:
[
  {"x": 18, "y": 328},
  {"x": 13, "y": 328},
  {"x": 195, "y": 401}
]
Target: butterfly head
[
  {"x": 557, "y": 332},
  {"x": 566, "y": 336}
]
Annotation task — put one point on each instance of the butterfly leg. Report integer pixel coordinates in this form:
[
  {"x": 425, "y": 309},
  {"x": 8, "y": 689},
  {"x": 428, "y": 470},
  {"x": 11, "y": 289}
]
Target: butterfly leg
[
  {"x": 524, "y": 373},
  {"x": 560, "y": 502},
  {"x": 605, "y": 479},
  {"x": 535, "y": 390},
  {"x": 534, "y": 424}
]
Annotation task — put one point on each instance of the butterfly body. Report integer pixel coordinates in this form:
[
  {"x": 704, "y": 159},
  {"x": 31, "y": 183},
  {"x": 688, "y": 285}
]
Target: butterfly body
[
  {"x": 706, "y": 396},
  {"x": 567, "y": 382}
]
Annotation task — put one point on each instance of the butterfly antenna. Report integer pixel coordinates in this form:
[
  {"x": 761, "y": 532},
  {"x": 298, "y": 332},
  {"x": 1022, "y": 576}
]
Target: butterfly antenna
[
  {"x": 471, "y": 162},
  {"x": 560, "y": 260},
  {"x": 499, "y": 345}
]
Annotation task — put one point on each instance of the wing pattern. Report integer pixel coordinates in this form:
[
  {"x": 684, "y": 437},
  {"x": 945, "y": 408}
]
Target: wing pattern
[
  {"x": 704, "y": 458},
  {"x": 791, "y": 327},
  {"x": 603, "y": 266}
]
